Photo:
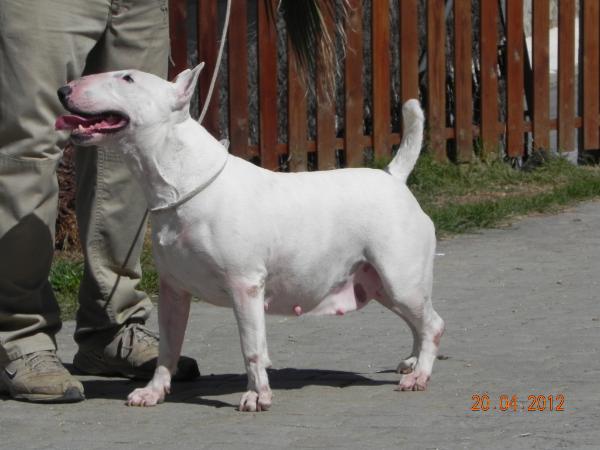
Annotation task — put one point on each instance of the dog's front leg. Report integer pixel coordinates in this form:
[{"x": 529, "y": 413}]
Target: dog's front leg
[
  {"x": 248, "y": 304},
  {"x": 173, "y": 312}
]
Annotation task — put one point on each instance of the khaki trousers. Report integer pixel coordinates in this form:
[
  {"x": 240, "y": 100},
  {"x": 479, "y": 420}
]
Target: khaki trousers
[{"x": 43, "y": 45}]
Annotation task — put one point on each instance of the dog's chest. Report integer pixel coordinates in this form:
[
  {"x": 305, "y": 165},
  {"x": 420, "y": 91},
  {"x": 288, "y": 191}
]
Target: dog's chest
[
  {"x": 184, "y": 254},
  {"x": 171, "y": 237},
  {"x": 168, "y": 236}
]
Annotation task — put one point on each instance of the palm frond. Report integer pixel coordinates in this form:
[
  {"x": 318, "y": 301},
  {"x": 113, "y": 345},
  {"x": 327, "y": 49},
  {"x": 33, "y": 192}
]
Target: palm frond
[{"x": 310, "y": 37}]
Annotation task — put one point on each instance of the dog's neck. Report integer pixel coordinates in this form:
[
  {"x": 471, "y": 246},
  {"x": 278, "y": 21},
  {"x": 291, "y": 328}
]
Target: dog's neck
[{"x": 172, "y": 161}]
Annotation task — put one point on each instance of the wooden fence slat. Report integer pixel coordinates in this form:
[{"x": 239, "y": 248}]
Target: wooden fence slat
[
  {"x": 541, "y": 74},
  {"x": 325, "y": 108},
  {"x": 409, "y": 49},
  {"x": 297, "y": 119},
  {"x": 591, "y": 74},
  {"x": 514, "y": 78},
  {"x": 238, "y": 79},
  {"x": 380, "y": 33},
  {"x": 489, "y": 77},
  {"x": 382, "y": 139},
  {"x": 566, "y": 75},
  {"x": 178, "y": 35},
  {"x": 436, "y": 78},
  {"x": 354, "y": 101},
  {"x": 267, "y": 80},
  {"x": 208, "y": 37},
  {"x": 463, "y": 39}
]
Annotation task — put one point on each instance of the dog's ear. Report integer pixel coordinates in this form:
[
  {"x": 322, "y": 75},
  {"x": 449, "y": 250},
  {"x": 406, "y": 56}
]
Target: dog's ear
[{"x": 185, "y": 84}]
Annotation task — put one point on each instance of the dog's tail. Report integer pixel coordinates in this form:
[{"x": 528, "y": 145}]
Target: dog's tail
[{"x": 410, "y": 147}]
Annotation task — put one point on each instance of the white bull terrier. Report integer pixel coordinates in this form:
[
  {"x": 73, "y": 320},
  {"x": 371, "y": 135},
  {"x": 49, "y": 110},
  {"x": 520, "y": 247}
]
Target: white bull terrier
[{"x": 237, "y": 235}]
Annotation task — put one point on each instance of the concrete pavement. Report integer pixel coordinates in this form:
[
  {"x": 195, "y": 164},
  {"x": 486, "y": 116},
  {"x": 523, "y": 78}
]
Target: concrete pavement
[{"x": 522, "y": 311}]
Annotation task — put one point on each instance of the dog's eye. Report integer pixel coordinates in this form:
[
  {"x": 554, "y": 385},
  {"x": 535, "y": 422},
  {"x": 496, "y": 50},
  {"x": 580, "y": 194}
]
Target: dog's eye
[{"x": 128, "y": 78}]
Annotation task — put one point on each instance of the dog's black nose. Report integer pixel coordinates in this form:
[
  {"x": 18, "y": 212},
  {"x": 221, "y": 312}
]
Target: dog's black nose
[{"x": 63, "y": 93}]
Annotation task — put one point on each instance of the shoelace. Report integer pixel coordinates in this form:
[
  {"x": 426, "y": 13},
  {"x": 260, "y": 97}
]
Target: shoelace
[
  {"x": 43, "y": 361},
  {"x": 136, "y": 333}
]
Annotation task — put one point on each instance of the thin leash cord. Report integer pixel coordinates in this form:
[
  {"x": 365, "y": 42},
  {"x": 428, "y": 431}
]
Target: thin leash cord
[{"x": 204, "y": 109}]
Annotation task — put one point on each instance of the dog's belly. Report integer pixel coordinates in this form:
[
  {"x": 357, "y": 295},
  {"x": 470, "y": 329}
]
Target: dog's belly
[
  {"x": 290, "y": 298},
  {"x": 317, "y": 285},
  {"x": 350, "y": 294}
]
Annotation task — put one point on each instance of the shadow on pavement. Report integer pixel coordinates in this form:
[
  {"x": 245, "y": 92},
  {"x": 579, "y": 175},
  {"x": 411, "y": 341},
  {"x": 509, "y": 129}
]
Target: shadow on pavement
[{"x": 215, "y": 385}]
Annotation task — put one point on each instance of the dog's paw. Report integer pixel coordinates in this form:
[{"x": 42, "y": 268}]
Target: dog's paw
[
  {"x": 407, "y": 366},
  {"x": 253, "y": 401},
  {"x": 413, "y": 382},
  {"x": 145, "y": 397}
]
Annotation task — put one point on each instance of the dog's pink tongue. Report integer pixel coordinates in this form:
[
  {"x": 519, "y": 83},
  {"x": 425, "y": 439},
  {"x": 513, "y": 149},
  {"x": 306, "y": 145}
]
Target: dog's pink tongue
[{"x": 70, "y": 122}]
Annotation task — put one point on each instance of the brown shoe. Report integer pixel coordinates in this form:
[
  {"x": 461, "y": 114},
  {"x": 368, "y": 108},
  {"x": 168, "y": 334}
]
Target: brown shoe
[
  {"x": 40, "y": 377},
  {"x": 132, "y": 353}
]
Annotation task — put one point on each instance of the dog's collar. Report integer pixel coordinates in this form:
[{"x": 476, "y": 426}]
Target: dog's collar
[{"x": 192, "y": 193}]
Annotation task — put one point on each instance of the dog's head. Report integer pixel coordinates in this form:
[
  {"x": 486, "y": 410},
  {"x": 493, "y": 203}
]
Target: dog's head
[{"x": 109, "y": 105}]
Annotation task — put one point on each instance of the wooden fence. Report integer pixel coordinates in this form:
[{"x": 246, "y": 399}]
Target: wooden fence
[{"x": 475, "y": 126}]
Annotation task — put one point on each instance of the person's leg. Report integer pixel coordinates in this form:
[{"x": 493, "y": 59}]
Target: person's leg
[
  {"x": 42, "y": 45},
  {"x": 110, "y": 211},
  {"x": 110, "y": 205}
]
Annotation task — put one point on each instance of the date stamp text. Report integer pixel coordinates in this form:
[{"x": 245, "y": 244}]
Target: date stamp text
[{"x": 484, "y": 402}]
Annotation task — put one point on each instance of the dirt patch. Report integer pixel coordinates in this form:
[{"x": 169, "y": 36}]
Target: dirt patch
[
  {"x": 512, "y": 191},
  {"x": 67, "y": 236}
]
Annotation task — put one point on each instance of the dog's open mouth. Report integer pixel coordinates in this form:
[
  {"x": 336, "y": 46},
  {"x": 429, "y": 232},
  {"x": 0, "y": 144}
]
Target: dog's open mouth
[{"x": 84, "y": 126}]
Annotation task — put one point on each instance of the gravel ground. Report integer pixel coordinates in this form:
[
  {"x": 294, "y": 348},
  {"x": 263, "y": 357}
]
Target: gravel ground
[{"x": 522, "y": 315}]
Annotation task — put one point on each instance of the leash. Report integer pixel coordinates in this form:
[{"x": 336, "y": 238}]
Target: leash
[{"x": 202, "y": 186}]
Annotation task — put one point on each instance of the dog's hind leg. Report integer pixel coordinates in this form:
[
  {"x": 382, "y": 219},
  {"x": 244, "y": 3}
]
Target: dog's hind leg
[
  {"x": 173, "y": 312},
  {"x": 369, "y": 285},
  {"x": 427, "y": 328},
  {"x": 248, "y": 305},
  {"x": 407, "y": 285},
  {"x": 407, "y": 365}
]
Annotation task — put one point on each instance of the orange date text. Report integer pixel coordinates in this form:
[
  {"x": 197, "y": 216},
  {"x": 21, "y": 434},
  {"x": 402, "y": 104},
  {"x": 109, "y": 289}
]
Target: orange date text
[{"x": 485, "y": 402}]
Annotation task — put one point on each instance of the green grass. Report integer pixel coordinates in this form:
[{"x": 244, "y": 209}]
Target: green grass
[
  {"x": 149, "y": 281},
  {"x": 458, "y": 198},
  {"x": 65, "y": 274},
  {"x": 67, "y": 270},
  {"x": 483, "y": 195}
]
